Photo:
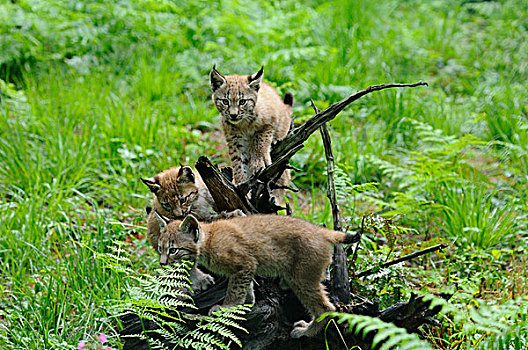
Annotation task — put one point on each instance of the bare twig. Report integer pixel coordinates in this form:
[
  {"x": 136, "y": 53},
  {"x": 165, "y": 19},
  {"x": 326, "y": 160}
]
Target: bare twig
[
  {"x": 340, "y": 288},
  {"x": 403, "y": 258}
]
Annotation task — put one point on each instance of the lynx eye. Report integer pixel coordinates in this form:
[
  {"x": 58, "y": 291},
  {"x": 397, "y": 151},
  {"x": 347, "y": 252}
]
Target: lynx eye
[
  {"x": 242, "y": 102},
  {"x": 224, "y": 101},
  {"x": 172, "y": 251},
  {"x": 187, "y": 197}
]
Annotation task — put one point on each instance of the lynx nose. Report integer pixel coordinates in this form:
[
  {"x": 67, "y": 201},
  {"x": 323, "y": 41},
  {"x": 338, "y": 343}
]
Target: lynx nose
[{"x": 163, "y": 260}]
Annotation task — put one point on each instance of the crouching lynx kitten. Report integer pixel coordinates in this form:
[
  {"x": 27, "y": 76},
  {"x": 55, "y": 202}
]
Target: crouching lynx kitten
[
  {"x": 266, "y": 245},
  {"x": 178, "y": 192},
  {"x": 253, "y": 117}
]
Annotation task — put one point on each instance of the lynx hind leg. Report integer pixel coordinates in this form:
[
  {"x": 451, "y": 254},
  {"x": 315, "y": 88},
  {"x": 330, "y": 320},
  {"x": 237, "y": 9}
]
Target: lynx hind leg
[
  {"x": 316, "y": 302},
  {"x": 200, "y": 281}
]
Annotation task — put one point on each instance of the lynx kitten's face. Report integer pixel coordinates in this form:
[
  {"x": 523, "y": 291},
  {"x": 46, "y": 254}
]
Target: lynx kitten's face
[
  {"x": 175, "y": 189},
  {"x": 178, "y": 240},
  {"x": 178, "y": 199},
  {"x": 235, "y": 96}
]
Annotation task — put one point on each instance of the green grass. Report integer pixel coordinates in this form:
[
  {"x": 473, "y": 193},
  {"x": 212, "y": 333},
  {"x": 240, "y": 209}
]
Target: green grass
[{"x": 105, "y": 92}]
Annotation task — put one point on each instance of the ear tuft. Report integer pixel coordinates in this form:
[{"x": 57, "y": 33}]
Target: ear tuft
[
  {"x": 152, "y": 183},
  {"x": 255, "y": 79},
  {"x": 216, "y": 79}
]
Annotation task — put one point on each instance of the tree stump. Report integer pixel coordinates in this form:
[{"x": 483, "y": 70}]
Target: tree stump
[{"x": 271, "y": 319}]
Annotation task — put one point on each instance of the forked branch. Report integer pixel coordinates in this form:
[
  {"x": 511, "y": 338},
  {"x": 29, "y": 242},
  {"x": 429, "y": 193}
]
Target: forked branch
[{"x": 285, "y": 149}]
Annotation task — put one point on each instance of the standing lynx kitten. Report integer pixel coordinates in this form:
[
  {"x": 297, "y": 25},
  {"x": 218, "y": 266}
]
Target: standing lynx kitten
[
  {"x": 178, "y": 192},
  {"x": 264, "y": 245},
  {"x": 253, "y": 117}
]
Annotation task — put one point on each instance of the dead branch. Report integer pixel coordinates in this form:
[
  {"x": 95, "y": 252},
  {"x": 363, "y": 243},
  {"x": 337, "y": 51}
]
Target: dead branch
[
  {"x": 222, "y": 190},
  {"x": 301, "y": 134},
  {"x": 340, "y": 287},
  {"x": 285, "y": 149},
  {"x": 402, "y": 259}
]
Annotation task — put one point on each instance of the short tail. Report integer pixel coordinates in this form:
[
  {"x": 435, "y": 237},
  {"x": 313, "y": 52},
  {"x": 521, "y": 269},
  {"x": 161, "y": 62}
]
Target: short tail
[
  {"x": 337, "y": 237},
  {"x": 351, "y": 238},
  {"x": 288, "y": 99}
]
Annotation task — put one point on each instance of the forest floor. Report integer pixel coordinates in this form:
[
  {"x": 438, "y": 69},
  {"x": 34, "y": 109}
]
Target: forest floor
[{"x": 95, "y": 94}]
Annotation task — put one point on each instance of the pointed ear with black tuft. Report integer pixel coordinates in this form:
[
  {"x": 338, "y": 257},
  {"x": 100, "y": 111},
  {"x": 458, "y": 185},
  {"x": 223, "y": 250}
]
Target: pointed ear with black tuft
[
  {"x": 190, "y": 227},
  {"x": 255, "y": 79},
  {"x": 217, "y": 79},
  {"x": 162, "y": 220},
  {"x": 186, "y": 174},
  {"x": 152, "y": 183}
]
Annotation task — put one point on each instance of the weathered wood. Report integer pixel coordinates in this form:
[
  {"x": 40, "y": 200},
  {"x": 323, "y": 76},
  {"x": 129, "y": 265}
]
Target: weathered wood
[
  {"x": 339, "y": 284},
  {"x": 271, "y": 319},
  {"x": 222, "y": 190}
]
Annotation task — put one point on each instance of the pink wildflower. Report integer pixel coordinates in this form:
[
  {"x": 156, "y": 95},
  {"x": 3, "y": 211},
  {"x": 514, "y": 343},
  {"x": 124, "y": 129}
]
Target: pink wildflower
[
  {"x": 102, "y": 338},
  {"x": 81, "y": 345}
]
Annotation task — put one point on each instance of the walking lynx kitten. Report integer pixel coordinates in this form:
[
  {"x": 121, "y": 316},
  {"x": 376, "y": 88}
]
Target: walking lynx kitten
[
  {"x": 178, "y": 192},
  {"x": 253, "y": 117},
  {"x": 266, "y": 245}
]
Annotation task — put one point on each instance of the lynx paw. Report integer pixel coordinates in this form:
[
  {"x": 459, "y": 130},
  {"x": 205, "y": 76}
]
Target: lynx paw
[
  {"x": 202, "y": 284},
  {"x": 299, "y": 329},
  {"x": 230, "y": 214},
  {"x": 236, "y": 213},
  {"x": 301, "y": 323},
  {"x": 256, "y": 166}
]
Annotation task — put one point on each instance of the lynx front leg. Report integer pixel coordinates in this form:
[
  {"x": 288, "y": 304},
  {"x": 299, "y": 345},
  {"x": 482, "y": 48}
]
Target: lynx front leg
[
  {"x": 229, "y": 214},
  {"x": 239, "y": 289},
  {"x": 200, "y": 281},
  {"x": 260, "y": 150},
  {"x": 238, "y": 153}
]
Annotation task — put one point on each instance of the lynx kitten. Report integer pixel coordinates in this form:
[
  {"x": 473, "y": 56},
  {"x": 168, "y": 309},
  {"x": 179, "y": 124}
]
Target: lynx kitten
[
  {"x": 253, "y": 117},
  {"x": 264, "y": 245},
  {"x": 176, "y": 193}
]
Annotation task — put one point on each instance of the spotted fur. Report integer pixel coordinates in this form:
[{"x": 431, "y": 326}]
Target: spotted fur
[{"x": 253, "y": 117}]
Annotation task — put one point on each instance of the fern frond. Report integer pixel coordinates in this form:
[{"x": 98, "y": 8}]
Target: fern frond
[
  {"x": 159, "y": 299},
  {"x": 388, "y": 336}
]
